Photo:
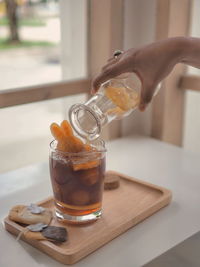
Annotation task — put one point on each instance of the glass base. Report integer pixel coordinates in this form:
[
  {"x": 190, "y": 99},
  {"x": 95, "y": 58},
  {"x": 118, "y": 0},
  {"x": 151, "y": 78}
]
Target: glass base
[{"x": 78, "y": 219}]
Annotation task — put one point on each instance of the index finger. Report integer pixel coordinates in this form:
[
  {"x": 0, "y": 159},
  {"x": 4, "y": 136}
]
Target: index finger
[{"x": 108, "y": 73}]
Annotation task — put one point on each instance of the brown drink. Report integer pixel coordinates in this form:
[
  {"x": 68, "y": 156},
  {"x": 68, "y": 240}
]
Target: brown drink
[{"x": 77, "y": 181}]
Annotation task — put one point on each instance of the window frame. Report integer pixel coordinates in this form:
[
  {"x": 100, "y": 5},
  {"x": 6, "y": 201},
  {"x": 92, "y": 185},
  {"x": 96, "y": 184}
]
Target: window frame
[
  {"x": 168, "y": 106},
  {"x": 30, "y": 94}
]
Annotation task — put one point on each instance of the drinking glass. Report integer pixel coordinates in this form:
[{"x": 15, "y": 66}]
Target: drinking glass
[{"x": 77, "y": 181}]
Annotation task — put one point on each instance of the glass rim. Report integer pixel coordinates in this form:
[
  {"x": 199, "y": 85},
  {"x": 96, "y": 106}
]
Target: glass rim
[
  {"x": 102, "y": 142},
  {"x": 92, "y": 136}
]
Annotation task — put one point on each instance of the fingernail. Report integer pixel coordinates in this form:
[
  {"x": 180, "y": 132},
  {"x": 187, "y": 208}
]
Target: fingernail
[{"x": 142, "y": 107}]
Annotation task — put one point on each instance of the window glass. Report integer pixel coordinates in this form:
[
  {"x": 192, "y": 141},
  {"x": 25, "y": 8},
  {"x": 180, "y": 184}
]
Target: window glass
[
  {"x": 25, "y": 134},
  {"x": 52, "y": 46},
  {"x": 33, "y": 57},
  {"x": 49, "y": 42}
]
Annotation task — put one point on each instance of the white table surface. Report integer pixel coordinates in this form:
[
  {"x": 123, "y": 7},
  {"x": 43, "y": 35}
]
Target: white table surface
[{"x": 144, "y": 158}]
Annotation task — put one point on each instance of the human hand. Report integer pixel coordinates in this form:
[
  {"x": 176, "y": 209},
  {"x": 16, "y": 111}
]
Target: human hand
[{"x": 152, "y": 63}]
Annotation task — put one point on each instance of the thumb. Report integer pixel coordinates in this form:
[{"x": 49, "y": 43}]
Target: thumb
[
  {"x": 98, "y": 80},
  {"x": 146, "y": 96}
]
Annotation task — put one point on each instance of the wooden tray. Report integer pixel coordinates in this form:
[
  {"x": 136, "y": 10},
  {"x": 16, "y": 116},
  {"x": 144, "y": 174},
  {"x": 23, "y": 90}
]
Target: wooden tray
[{"x": 123, "y": 208}]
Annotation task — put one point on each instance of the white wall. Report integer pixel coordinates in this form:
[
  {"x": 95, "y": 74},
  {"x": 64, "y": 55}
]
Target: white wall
[
  {"x": 74, "y": 25},
  {"x": 73, "y": 16},
  {"x": 139, "y": 29},
  {"x": 192, "y": 105}
]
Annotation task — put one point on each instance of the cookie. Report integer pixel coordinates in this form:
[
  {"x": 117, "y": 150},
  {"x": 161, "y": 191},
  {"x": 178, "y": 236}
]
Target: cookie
[
  {"x": 112, "y": 181},
  {"x": 34, "y": 235},
  {"x": 22, "y": 214}
]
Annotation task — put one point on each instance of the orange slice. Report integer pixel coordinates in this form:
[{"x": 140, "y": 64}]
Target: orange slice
[
  {"x": 66, "y": 140},
  {"x": 85, "y": 166},
  {"x": 57, "y": 132},
  {"x": 122, "y": 97},
  {"x": 67, "y": 129}
]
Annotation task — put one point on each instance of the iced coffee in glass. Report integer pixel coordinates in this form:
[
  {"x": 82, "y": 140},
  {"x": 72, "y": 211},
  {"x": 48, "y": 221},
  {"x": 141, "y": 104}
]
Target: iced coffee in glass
[{"x": 77, "y": 181}]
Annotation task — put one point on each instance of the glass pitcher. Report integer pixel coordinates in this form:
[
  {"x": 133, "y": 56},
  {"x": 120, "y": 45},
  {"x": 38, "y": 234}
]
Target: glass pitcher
[{"x": 115, "y": 99}]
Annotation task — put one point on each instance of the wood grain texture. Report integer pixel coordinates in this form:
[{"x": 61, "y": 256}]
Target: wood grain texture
[
  {"x": 168, "y": 105},
  {"x": 190, "y": 82},
  {"x": 12, "y": 97},
  {"x": 105, "y": 36},
  {"x": 123, "y": 208}
]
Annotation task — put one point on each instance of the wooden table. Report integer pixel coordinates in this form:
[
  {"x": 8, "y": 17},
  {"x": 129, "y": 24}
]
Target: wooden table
[{"x": 144, "y": 158}]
